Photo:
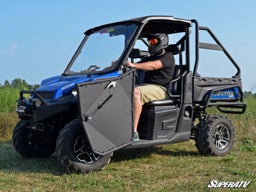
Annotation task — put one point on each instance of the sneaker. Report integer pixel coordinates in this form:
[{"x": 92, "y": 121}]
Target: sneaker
[{"x": 135, "y": 136}]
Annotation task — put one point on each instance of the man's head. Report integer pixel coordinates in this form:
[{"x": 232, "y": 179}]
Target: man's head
[{"x": 157, "y": 42}]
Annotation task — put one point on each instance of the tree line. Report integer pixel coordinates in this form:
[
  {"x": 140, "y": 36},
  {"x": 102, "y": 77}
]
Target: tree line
[
  {"x": 19, "y": 84},
  {"x": 249, "y": 94}
]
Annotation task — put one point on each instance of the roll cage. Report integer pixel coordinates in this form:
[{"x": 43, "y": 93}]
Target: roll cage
[{"x": 204, "y": 88}]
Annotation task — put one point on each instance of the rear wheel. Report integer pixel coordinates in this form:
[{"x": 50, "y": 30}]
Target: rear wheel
[
  {"x": 215, "y": 136},
  {"x": 74, "y": 151},
  {"x": 30, "y": 143}
]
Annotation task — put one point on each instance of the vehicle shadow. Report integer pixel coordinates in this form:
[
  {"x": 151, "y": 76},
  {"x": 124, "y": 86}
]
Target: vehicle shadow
[
  {"x": 129, "y": 154},
  {"x": 12, "y": 162}
]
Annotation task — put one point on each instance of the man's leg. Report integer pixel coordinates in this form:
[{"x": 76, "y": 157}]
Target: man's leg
[
  {"x": 137, "y": 108},
  {"x": 144, "y": 94}
]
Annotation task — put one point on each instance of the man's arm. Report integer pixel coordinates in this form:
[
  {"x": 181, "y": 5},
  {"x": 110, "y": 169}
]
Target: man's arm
[{"x": 147, "y": 66}]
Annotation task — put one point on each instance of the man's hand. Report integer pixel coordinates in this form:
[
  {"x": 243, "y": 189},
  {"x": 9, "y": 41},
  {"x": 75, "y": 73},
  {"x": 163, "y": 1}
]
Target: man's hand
[{"x": 130, "y": 64}]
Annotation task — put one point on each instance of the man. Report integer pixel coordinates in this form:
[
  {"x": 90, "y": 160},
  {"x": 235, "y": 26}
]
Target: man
[{"x": 159, "y": 68}]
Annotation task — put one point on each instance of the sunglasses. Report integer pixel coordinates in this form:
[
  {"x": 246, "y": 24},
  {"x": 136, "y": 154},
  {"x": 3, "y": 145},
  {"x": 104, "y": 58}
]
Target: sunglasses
[{"x": 153, "y": 41}]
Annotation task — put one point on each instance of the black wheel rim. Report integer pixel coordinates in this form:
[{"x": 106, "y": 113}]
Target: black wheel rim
[
  {"x": 83, "y": 152},
  {"x": 221, "y": 137}
]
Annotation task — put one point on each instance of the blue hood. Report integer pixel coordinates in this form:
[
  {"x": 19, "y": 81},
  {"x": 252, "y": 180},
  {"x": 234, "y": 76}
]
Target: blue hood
[{"x": 61, "y": 85}]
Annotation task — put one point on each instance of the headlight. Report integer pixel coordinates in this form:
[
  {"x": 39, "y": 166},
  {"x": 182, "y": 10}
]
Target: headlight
[
  {"x": 21, "y": 109},
  {"x": 36, "y": 102}
]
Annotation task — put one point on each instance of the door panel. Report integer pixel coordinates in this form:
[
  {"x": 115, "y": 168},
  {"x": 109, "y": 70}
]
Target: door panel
[{"x": 106, "y": 111}]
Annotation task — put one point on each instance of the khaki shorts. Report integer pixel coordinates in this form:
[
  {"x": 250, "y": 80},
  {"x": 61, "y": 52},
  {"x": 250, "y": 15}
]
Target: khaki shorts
[{"x": 150, "y": 92}]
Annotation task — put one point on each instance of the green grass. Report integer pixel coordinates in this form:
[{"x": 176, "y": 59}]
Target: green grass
[
  {"x": 7, "y": 123},
  {"x": 176, "y": 167},
  {"x": 8, "y": 98}
]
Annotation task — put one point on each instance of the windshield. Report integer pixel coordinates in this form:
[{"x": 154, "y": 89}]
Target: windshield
[{"x": 100, "y": 51}]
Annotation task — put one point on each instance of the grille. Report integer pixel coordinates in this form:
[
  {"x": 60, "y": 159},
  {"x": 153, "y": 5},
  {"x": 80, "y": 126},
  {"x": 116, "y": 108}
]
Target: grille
[{"x": 46, "y": 94}]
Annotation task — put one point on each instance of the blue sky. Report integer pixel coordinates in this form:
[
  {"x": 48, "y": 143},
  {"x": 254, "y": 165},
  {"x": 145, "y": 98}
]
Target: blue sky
[{"x": 38, "y": 38}]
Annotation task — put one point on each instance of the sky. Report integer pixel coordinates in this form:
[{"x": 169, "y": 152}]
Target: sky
[{"x": 38, "y": 38}]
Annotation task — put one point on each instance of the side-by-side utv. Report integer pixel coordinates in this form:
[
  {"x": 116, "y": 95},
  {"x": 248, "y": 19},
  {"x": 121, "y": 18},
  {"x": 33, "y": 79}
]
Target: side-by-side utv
[{"x": 86, "y": 113}]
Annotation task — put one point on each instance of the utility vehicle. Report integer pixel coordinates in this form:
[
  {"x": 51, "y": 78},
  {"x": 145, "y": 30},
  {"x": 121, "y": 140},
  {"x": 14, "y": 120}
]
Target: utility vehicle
[{"x": 86, "y": 113}]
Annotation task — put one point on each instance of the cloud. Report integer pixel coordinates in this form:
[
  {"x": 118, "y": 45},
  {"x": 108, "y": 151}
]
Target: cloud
[{"x": 10, "y": 50}]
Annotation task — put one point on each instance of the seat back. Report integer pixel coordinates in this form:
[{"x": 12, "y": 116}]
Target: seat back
[
  {"x": 176, "y": 84},
  {"x": 174, "y": 49}
]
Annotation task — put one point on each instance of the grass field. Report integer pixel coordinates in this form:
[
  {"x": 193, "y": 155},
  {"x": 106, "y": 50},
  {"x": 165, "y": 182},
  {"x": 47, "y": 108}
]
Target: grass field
[{"x": 175, "y": 167}]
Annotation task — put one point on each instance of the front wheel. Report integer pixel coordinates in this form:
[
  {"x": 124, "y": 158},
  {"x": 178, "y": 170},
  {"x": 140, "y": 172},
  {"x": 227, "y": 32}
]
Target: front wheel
[
  {"x": 74, "y": 151},
  {"x": 215, "y": 136},
  {"x": 30, "y": 143}
]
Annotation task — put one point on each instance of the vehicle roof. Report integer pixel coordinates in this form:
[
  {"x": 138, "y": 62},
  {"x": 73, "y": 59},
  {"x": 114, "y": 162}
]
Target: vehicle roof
[{"x": 145, "y": 19}]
